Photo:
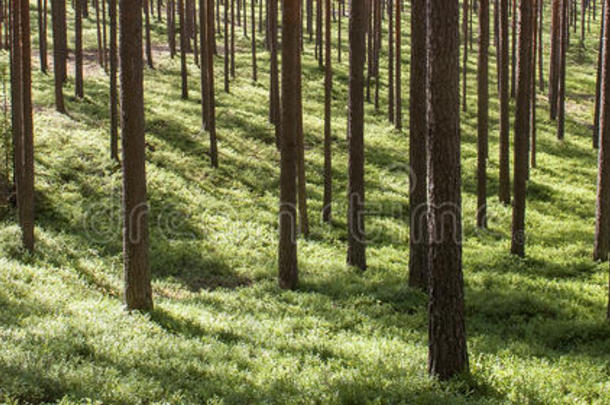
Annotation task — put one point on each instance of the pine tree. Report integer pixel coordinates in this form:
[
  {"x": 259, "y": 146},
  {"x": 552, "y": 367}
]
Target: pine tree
[{"x": 448, "y": 355}]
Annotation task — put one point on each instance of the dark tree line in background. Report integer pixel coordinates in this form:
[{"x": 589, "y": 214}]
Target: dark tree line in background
[{"x": 437, "y": 73}]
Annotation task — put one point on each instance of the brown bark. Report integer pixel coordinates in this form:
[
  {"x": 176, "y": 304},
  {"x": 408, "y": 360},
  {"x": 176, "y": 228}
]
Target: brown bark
[
  {"x": 274, "y": 91},
  {"x": 483, "y": 113},
  {"x": 226, "y": 47},
  {"x": 78, "y": 48},
  {"x": 398, "y": 92},
  {"x": 183, "y": 45},
  {"x": 561, "y": 89},
  {"x": 138, "y": 291},
  {"x": 114, "y": 113},
  {"x": 328, "y": 83},
  {"x": 447, "y": 354},
  {"x": 390, "y": 60},
  {"x": 602, "y": 213},
  {"x": 554, "y": 57},
  {"x": 59, "y": 53},
  {"x": 522, "y": 125},
  {"x": 287, "y": 254},
  {"x": 598, "y": 85},
  {"x": 149, "y": 58},
  {"x": 42, "y": 34},
  {"x": 253, "y": 35},
  {"x": 504, "y": 159},
  {"x": 418, "y": 132},
  {"x": 464, "y": 53},
  {"x": 355, "y": 128}
]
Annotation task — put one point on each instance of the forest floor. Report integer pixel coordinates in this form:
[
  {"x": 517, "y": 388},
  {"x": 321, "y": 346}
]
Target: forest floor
[{"x": 222, "y": 331}]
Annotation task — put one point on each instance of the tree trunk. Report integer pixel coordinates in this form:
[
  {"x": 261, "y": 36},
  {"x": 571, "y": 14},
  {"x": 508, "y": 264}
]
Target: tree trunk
[
  {"x": 233, "y": 37},
  {"x": 598, "y": 86},
  {"x": 561, "y": 90},
  {"x": 114, "y": 113},
  {"x": 287, "y": 255},
  {"x": 78, "y": 48},
  {"x": 554, "y": 57},
  {"x": 504, "y": 161},
  {"x": 328, "y": 83},
  {"x": 355, "y": 129},
  {"x": 42, "y": 35},
  {"x": 522, "y": 125},
  {"x": 483, "y": 113},
  {"x": 274, "y": 94},
  {"x": 465, "y": 53},
  {"x": 253, "y": 35},
  {"x": 59, "y": 53},
  {"x": 183, "y": 45},
  {"x": 602, "y": 214},
  {"x": 418, "y": 132},
  {"x": 514, "y": 50},
  {"x": 149, "y": 58},
  {"x": 138, "y": 291},
  {"x": 447, "y": 335},
  {"x": 398, "y": 92},
  {"x": 390, "y": 60}
]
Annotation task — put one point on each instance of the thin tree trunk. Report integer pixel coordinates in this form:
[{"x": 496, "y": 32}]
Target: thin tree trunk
[
  {"x": 328, "y": 83},
  {"x": 483, "y": 113},
  {"x": 598, "y": 86},
  {"x": 253, "y": 34},
  {"x": 390, "y": 60},
  {"x": 114, "y": 113},
  {"x": 554, "y": 57},
  {"x": 58, "y": 54},
  {"x": 274, "y": 94},
  {"x": 183, "y": 45},
  {"x": 561, "y": 104},
  {"x": 465, "y": 53},
  {"x": 42, "y": 36},
  {"x": 149, "y": 58},
  {"x": 504, "y": 160},
  {"x": 78, "y": 48},
  {"x": 398, "y": 91}
]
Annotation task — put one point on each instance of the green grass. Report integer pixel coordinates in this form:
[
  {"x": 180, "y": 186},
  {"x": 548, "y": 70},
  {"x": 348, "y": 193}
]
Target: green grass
[{"x": 222, "y": 331}]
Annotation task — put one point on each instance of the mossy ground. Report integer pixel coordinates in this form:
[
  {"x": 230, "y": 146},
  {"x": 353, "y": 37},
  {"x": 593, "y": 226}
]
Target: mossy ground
[{"x": 222, "y": 331}]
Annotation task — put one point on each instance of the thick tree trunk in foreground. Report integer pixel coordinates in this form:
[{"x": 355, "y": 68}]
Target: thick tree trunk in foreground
[
  {"x": 522, "y": 125},
  {"x": 274, "y": 91},
  {"x": 138, "y": 291},
  {"x": 418, "y": 132},
  {"x": 288, "y": 271},
  {"x": 355, "y": 128},
  {"x": 447, "y": 333}
]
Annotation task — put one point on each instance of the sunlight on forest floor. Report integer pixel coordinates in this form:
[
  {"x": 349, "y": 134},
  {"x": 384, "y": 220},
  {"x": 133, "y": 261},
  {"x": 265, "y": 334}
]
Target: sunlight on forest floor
[{"x": 222, "y": 331}]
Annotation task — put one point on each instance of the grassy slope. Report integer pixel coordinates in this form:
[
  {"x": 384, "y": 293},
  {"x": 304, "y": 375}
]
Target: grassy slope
[{"x": 222, "y": 331}]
